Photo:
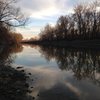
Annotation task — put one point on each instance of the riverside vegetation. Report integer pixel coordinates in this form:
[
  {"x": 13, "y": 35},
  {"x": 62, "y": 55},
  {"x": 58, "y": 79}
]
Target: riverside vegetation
[
  {"x": 82, "y": 27},
  {"x": 10, "y": 17}
]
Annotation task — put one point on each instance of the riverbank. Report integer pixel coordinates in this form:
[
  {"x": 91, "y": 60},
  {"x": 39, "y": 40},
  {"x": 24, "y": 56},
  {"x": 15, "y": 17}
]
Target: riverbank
[
  {"x": 13, "y": 85},
  {"x": 73, "y": 43}
]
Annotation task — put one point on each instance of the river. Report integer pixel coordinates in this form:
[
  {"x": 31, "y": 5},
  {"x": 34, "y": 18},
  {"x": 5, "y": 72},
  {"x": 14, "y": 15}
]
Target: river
[{"x": 57, "y": 73}]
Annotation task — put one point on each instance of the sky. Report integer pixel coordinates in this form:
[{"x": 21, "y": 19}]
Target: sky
[{"x": 42, "y": 12}]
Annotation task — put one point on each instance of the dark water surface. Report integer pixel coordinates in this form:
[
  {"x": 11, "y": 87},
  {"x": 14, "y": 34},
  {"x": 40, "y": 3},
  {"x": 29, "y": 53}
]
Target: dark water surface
[{"x": 57, "y": 73}]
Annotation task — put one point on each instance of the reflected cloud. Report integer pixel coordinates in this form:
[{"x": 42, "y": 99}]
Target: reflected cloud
[{"x": 48, "y": 80}]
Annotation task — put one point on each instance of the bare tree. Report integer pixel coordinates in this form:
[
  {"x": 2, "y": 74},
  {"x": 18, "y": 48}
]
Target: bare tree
[
  {"x": 83, "y": 24},
  {"x": 10, "y": 15}
]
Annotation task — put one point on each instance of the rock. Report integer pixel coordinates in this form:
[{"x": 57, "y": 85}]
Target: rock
[
  {"x": 29, "y": 91},
  {"x": 26, "y": 85},
  {"x": 22, "y": 70},
  {"x": 29, "y": 73},
  {"x": 33, "y": 98},
  {"x": 38, "y": 95},
  {"x": 31, "y": 87},
  {"x": 19, "y": 67}
]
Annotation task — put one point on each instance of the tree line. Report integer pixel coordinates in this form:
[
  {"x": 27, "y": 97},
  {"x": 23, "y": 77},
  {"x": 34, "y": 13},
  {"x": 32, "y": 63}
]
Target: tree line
[{"x": 83, "y": 24}]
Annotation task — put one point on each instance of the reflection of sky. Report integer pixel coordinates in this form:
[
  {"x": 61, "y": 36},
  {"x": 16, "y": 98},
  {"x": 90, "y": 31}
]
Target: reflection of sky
[
  {"x": 32, "y": 57},
  {"x": 42, "y": 12},
  {"x": 48, "y": 80},
  {"x": 51, "y": 83}
]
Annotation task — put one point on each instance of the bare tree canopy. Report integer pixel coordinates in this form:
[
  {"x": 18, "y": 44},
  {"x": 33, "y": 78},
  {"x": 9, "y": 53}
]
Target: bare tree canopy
[
  {"x": 11, "y": 15},
  {"x": 83, "y": 24}
]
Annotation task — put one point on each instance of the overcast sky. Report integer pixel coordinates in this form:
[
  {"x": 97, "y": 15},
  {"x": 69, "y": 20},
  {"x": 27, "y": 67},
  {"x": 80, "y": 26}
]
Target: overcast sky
[{"x": 42, "y": 12}]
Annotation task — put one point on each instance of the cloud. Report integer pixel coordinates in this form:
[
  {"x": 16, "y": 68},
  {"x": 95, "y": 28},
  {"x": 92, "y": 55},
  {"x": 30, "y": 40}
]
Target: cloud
[
  {"x": 45, "y": 8},
  {"x": 42, "y": 12},
  {"x": 42, "y": 8}
]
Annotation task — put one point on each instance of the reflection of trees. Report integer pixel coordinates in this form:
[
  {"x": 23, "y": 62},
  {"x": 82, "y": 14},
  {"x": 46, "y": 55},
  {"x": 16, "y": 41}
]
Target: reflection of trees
[
  {"x": 7, "y": 54},
  {"x": 84, "y": 63}
]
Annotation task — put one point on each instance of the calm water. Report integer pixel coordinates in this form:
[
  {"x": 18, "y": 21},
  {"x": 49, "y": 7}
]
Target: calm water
[{"x": 57, "y": 73}]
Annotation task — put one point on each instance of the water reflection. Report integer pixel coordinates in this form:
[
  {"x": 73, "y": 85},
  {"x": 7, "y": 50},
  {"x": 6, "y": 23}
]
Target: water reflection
[
  {"x": 13, "y": 85},
  {"x": 83, "y": 63},
  {"x": 8, "y": 54},
  {"x": 76, "y": 76},
  {"x": 52, "y": 84},
  {"x": 58, "y": 92}
]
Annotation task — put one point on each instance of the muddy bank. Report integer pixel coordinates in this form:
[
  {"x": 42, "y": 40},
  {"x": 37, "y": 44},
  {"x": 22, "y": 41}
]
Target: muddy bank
[{"x": 13, "y": 85}]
